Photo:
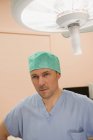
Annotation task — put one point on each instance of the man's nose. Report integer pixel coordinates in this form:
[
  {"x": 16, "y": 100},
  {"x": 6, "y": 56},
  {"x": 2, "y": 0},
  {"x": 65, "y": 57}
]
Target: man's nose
[{"x": 41, "y": 81}]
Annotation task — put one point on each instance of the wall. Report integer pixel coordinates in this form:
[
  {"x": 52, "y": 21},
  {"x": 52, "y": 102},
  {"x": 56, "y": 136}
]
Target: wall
[
  {"x": 76, "y": 70},
  {"x": 15, "y": 83}
]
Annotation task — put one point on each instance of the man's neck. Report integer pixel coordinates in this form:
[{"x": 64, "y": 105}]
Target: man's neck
[{"x": 50, "y": 102}]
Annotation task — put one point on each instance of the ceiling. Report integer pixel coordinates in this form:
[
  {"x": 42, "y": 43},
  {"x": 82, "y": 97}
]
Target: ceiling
[{"x": 8, "y": 24}]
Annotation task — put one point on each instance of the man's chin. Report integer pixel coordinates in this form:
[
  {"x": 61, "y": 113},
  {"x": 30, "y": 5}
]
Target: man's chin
[{"x": 43, "y": 93}]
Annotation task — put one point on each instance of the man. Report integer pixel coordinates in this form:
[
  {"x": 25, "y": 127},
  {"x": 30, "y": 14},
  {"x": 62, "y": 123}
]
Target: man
[{"x": 51, "y": 113}]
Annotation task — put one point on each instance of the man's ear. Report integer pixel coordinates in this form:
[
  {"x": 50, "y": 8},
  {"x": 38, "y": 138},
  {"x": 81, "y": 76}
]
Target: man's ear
[{"x": 58, "y": 75}]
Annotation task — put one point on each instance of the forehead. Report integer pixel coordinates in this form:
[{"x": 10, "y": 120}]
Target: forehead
[{"x": 40, "y": 71}]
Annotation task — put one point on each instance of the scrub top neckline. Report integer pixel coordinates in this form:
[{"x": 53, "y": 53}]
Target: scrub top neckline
[{"x": 56, "y": 107}]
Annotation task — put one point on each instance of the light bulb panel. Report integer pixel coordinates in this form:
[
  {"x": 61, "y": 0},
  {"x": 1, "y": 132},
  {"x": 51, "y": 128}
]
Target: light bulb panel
[
  {"x": 65, "y": 19},
  {"x": 56, "y": 16},
  {"x": 42, "y": 15}
]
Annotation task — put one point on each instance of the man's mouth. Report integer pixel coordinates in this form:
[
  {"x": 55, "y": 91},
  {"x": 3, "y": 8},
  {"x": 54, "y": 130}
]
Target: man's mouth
[{"x": 42, "y": 89}]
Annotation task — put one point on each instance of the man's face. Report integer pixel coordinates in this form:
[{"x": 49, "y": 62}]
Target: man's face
[{"x": 45, "y": 82}]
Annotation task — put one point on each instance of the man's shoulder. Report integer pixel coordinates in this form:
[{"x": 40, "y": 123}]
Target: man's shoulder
[
  {"x": 76, "y": 97},
  {"x": 30, "y": 99}
]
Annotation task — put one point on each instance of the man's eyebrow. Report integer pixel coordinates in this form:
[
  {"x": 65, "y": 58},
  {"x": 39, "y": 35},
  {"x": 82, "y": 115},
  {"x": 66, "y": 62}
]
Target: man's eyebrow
[
  {"x": 33, "y": 74},
  {"x": 42, "y": 73},
  {"x": 46, "y": 71}
]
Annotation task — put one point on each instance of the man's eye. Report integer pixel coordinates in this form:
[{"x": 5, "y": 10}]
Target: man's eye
[
  {"x": 45, "y": 74},
  {"x": 34, "y": 77}
]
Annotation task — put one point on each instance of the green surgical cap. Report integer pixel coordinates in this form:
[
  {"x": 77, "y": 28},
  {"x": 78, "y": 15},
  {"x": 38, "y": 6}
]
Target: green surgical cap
[{"x": 41, "y": 60}]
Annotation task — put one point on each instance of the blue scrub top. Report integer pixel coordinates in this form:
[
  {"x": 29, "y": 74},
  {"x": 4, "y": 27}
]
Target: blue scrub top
[{"x": 70, "y": 119}]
